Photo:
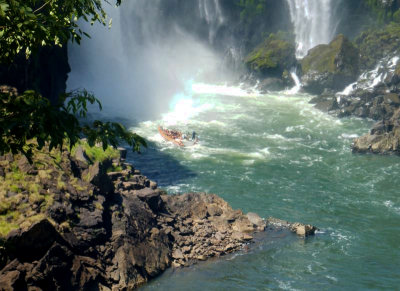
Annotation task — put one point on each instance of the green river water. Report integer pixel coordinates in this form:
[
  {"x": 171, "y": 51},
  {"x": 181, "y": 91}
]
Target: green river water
[{"x": 277, "y": 156}]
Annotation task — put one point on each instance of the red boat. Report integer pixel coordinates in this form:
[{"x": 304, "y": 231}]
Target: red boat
[{"x": 176, "y": 137}]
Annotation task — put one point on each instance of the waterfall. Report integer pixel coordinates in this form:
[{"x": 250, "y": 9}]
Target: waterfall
[
  {"x": 148, "y": 55},
  {"x": 210, "y": 11},
  {"x": 313, "y": 24}
]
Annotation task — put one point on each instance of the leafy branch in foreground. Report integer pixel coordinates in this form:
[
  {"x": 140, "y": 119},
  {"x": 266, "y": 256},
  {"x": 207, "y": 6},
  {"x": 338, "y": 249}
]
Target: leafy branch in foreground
[
  {"x": 29, "y": 24},
  {"x": 30, "y": 116}
]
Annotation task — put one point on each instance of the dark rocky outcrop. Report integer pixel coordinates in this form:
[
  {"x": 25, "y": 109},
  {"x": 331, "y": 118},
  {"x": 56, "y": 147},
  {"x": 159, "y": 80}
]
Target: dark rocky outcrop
[
  {"x": 86, "y": 235},
  {"x": 384, "y": 137},
  {"x": 332, "y": 66}
]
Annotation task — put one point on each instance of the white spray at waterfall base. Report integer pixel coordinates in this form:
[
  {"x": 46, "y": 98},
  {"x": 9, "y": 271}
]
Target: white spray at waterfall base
[
  {"x": 370, "y": 79},
  {"x": 144, "y": 60}
]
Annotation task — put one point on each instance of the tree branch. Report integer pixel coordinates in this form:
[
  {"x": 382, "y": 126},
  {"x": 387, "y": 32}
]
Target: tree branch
[{"x": 41, "y": 7}]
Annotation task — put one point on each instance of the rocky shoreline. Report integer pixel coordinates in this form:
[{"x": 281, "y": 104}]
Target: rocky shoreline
[{"x": 117, "y": 230}]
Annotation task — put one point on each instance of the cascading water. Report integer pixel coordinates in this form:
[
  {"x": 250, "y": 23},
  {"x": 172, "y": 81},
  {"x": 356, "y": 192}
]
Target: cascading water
[
  {"x": 210, "y": 11},
  {"x": 312, "y": 23},
  {"x": 152, "y": 49}
]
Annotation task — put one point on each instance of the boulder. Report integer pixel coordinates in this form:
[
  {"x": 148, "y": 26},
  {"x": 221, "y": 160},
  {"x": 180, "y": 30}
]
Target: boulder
[
  {"x": 270, "y": 59},
  {"x": 332, "y": 66},
  {"x": 384, "y": 137},
  {"x": 303, "y": 229},
  {"x": 152, "y": 198},
  {"x": 255, "y": 219},
  {"x": 32, "y": 243}
]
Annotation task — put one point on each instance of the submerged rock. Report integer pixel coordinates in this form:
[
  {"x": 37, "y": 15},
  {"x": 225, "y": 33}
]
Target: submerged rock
[
  {"x": 331, "y": 66},
  {"x": 300, "y": 229}
]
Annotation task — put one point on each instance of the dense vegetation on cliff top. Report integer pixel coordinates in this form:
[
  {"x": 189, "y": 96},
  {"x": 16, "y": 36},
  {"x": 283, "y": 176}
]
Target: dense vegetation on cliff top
[{"x": 25, "y": 27}]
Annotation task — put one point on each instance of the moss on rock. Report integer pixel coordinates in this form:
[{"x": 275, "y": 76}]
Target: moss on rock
[
  {"x": 27, "y": 191},
  {"x": 331, "y": 66},
  {"x": 272, "y": 57}
]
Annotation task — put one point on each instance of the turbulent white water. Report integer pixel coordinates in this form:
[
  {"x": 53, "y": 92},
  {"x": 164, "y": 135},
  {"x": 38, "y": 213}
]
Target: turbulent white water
[
  {"x": 370, "y": 79},
  {"x": 276, "y": 155},
  {"x": 313, "y": 23}
]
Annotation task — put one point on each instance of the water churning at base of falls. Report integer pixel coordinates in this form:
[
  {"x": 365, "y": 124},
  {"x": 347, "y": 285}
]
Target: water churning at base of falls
[{"x": 278, "y": 156}]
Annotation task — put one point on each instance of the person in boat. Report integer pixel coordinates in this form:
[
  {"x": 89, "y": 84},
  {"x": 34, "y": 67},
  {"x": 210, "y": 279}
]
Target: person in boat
[{"x": 193, "y": 135}]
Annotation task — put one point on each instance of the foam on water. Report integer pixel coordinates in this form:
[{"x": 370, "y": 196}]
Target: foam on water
[
  {"x": 201, "y": 88},
  {"x": 391, "y": 206}
]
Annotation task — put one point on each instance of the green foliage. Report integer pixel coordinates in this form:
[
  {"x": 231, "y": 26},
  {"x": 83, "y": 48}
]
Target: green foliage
[
  {"x": 375, "y": 44},
  {"x": 30, "y": 116},
  {"x": 251, "y": 9},
  {"x": 25, "y": 25},
  {"x": 382, "y": 11},
  {"x": 97, "y": 154}
]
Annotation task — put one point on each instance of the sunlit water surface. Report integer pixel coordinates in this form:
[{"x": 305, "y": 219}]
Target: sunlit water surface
[{"x": 275, "y": 155}]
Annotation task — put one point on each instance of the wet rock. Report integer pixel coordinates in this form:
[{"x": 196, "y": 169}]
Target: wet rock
[
  {"x": 271, "y": 84},
  {"x": 121, "y": 239},
  {"x": 302, "y": 229},
  {"x": 114, "y": 175},
  {"x": 12, "y": 280}
]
